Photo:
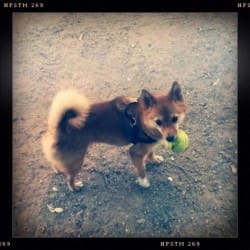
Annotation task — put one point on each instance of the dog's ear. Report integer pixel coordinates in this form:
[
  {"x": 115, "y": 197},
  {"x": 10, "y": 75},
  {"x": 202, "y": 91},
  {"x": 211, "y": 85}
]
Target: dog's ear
[
  {"x": 121, "y": 102},
  {"x": 146, "y": 99},
  {"x": 176, "y": 92},
  {"x": 131, "y": 109}
]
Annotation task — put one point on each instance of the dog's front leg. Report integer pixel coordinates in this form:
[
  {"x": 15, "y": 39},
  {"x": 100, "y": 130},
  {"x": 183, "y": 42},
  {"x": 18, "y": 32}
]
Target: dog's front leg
[{"x": 139, "y": 152}]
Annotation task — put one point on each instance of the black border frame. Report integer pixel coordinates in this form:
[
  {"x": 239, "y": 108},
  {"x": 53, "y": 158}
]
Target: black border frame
[{"x": 241, "y": 242}]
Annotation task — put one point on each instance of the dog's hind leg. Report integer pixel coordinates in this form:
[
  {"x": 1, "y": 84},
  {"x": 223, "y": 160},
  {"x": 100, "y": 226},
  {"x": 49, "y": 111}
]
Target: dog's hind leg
[
  {"x": 72, "y": 184},
  {"x": 72, "y": 165}
]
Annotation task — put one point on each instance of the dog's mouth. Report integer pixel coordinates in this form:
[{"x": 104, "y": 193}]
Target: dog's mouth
[{"x": 153, "y": 133}]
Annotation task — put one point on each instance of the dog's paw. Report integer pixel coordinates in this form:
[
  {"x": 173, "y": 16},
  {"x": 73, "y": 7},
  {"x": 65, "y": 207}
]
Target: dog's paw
[
  {"x": 157, "y": 158},
  {"x": 143, "y": 182},
  {"x": 78, "y": 184},
  {"x": 76, "y": 187}
]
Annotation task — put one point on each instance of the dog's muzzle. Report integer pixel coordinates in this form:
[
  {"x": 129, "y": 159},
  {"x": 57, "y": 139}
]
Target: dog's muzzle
[{"x": 170, "y": 138}]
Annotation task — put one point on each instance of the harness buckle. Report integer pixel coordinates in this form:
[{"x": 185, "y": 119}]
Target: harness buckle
[{"x": 132, "y": 122}]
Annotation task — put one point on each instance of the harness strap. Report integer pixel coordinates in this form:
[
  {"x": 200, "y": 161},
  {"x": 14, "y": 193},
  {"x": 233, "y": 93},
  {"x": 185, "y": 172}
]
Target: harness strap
[{"x": 134, "y": 132}]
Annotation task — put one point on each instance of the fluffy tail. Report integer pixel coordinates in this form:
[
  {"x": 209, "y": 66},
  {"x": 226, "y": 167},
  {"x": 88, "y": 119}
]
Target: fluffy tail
[{"x": 68, "y": 110}]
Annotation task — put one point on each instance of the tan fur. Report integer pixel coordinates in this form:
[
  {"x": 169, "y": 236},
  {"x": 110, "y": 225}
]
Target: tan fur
[
  {"x": 74, "y": 123},
  {"x": 64, "y": 100}
]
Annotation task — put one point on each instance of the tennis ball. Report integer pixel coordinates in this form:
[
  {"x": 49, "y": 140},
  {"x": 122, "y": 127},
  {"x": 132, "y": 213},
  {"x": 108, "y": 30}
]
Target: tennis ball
[{"x": 180, "y": 143}]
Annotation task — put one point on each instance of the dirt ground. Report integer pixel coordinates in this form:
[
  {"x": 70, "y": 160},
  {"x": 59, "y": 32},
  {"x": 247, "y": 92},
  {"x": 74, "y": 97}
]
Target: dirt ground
[{"x": 104, "y": 55}]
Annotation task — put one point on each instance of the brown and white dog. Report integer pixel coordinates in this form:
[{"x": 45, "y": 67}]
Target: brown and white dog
[{"x": 74, "y": 123}]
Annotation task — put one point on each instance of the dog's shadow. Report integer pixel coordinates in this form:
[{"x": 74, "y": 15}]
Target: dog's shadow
[{"x": 109, "y": 197}]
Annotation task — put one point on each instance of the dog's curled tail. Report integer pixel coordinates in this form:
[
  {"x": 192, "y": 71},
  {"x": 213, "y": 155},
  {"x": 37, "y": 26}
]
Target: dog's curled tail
[{"x": 69, "y": 110}]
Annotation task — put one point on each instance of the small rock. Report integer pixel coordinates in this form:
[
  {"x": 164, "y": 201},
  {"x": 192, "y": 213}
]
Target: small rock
[
  {"x": 55, "y": 189},
  {"x": 216, "y": 82},
  {"x": 140, "y": 221},
  {"x": 234, "y": 169},
  {"x": 92, "y": 170},
  {"x": 170, "y": 178},
  {"x": 78, "y": 224}
]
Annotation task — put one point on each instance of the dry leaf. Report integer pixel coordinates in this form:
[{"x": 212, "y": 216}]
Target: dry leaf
[
  {"x": 51, "y": 208},
  {"x": 54, "y": 210},
  {"x": 80, "y": 37},
  {"x": 58, "y": 210}
]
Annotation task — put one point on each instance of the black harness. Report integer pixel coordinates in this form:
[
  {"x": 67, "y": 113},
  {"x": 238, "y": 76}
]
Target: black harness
[{"x": 134, "y": 131}]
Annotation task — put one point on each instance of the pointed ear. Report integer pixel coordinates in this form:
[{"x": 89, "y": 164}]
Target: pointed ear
[
  {"x": 146, "y": 99},
  {"x": 176, "y": 92},
  {"x": 131, "y": 109}
]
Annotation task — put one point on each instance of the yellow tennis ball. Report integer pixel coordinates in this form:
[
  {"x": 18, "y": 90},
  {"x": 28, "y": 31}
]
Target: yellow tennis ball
[{"x": 180, "y": 143}]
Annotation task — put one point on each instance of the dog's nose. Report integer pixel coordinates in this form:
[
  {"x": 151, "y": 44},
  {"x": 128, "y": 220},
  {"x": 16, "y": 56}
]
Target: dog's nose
[{"x": 170, "y": 138}]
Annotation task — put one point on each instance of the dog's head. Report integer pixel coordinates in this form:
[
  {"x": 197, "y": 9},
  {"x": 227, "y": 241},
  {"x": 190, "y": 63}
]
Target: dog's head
[{"x": 160, "y": 115}]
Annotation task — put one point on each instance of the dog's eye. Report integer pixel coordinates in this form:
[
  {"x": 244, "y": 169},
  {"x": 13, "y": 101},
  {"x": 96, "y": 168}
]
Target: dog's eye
[
  {"x": 158, "y": 122},
  {"x": 174, "y": 119}
]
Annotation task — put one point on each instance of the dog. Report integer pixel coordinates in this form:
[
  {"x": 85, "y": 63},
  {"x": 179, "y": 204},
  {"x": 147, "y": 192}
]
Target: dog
[{"x": 74, "y": 123}]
